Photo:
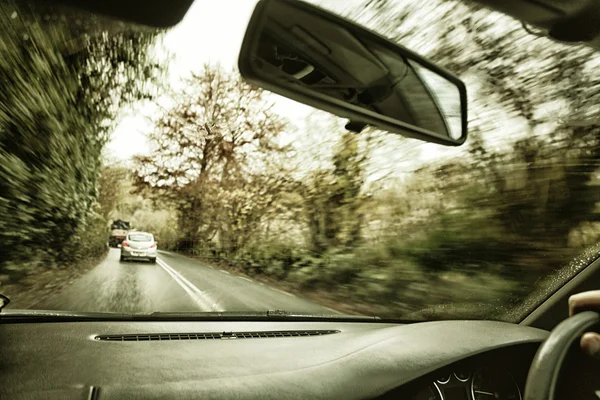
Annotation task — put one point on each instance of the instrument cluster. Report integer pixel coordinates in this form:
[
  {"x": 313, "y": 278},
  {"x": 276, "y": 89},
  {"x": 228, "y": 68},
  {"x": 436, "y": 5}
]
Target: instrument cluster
[{"x": 487, "y": 383}]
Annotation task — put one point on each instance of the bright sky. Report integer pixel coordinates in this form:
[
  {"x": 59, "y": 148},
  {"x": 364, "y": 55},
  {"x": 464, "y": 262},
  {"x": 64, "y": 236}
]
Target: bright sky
[
  {"x": 199, "y": 39},
  {"x": 212, "y": 32}
]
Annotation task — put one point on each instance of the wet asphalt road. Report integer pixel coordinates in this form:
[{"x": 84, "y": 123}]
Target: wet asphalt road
[{"x": 174, "y": 283}]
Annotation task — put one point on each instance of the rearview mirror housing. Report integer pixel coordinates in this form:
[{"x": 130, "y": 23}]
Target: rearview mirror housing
[{"x": 310, "y": 55}]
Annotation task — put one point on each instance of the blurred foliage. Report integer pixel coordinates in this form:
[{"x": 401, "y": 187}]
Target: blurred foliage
[
  {"x": 201, "y": 165},
  {"x": 467, "y": 235},
  {"x": 332, "y": 199},
  {"x": 476, "y": 228},
  {"x": 111, "y": 187},
  {"x": 65, "y": 76}
]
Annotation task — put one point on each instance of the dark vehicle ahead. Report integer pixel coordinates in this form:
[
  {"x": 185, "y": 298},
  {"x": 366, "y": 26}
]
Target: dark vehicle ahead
[{"x": 118, "y": 232}]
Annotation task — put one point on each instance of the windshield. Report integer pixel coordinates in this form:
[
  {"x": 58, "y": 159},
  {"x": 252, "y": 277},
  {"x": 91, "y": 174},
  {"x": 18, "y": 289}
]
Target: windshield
[
  {"x": 260, "y": 203},
  {"x": 140, "y": 238}
]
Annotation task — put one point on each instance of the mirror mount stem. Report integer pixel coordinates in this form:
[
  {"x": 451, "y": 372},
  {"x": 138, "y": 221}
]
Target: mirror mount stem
[
  {"x": 3, "y": 301},
  {"x": 355, "y": 126}
]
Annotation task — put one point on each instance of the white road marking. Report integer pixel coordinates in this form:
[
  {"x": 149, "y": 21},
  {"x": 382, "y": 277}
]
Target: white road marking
[
  {"x": 202, "y": 299},
  {"x": 246, "y": 279},
  {"x": 284, "y": 292},
  {"x": 225, "y": 272}
]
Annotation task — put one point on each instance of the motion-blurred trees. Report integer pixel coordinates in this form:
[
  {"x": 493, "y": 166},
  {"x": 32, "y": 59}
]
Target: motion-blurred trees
[
  {"x": 540, "y": 189},
  {"x": 479, "y": 225},
  {"x": 484, "y": 225},
  {"x": 63, "y": 84},
  {"x": 332, "y": 199},
  {"x": 112, "y": 180}
]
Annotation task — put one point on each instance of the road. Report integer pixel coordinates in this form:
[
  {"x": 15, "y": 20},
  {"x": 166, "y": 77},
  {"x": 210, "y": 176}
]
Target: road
[{"x": 174, "y": 283}]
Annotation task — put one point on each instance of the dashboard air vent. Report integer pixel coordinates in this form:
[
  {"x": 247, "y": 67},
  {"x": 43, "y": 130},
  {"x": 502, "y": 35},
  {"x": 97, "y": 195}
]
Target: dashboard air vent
[{"x": 212, "y": 335}]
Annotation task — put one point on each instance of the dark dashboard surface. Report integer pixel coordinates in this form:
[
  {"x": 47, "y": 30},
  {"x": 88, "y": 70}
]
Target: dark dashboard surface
[{"x": 363, "y": 360}]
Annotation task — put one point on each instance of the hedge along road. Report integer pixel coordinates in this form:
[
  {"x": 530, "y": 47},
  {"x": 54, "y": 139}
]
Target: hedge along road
[{"x": 174, "y": 283}]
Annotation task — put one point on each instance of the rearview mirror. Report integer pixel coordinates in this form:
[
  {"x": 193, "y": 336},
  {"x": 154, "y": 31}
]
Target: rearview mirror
[{"x": 307, "y": 54}]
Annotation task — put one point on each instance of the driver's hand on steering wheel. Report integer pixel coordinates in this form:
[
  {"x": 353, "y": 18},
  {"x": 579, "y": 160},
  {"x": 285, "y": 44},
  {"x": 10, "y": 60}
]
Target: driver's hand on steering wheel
[{"x": 587, "y": 301}]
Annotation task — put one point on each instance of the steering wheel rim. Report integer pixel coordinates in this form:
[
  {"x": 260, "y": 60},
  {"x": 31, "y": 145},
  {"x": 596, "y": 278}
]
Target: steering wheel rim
[{"x": 543, "y": 373}]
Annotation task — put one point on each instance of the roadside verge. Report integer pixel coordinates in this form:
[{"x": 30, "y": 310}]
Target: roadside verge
[{"x": 42, "y": 284}]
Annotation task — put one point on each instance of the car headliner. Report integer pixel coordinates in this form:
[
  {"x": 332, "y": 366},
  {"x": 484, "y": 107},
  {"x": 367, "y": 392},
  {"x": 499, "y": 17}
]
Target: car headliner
[{"x": 568, "y": 21}]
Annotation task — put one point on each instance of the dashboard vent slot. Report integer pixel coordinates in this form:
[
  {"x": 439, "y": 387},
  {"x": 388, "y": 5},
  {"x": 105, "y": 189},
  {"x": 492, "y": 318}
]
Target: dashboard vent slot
[{"x": 212, "y": 335}]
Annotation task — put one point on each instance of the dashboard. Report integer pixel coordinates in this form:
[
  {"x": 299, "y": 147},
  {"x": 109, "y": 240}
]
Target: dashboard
[
  {"x": 496, "y": 375},
  {"x": 485, "y": 383},
  {"x": 447, "y": 360}
]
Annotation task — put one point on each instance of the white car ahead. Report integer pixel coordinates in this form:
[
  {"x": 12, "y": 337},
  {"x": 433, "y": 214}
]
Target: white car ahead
[{"x": 139, "y": 245}]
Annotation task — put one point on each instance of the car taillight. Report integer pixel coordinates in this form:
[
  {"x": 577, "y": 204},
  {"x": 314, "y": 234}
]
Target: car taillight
[
  {"x": 153, "y": 245},
  {"x": 125, "y": 244}
]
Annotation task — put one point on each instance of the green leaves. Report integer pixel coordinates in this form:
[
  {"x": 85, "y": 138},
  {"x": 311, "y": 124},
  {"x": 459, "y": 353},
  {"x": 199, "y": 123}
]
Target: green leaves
[
  {"x": 332, "y": 199},
  {"x": 212, "y": 158},
  {"x": 56, "y": 107}
]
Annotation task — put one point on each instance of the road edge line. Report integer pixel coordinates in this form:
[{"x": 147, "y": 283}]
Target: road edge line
[{"x": 204, "y": 301}]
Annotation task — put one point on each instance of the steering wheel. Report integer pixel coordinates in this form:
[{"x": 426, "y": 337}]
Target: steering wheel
[{"x": 543, "y": 373}]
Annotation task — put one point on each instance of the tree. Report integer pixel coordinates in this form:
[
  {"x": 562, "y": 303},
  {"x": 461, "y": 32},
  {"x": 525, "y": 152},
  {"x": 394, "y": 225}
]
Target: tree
[
  {"x": 245, "y": 206},
  {"x": 525, "y": 76},
  {"x": 333, "y": 199},
  {"x": 57, "y": 105},
  {"x": 110, "y": 188},
  {"x": 211, "y": 144}
]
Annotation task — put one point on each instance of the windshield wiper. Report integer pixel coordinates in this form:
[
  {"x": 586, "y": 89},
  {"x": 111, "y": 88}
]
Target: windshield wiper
[
  {"x": 271, "y": 315},
  {"x": 274, "y": 315}
]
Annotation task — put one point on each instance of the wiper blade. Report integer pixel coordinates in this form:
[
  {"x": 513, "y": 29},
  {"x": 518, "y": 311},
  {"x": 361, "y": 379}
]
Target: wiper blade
[
  {"x": 61, "y": 316},
  {"x": 274, "y": 315},
  {"x": 271, "y": 315}
]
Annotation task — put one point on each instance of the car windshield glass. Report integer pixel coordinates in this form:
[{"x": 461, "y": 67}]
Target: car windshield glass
[
  {"x": 140, "y": 238},
  {"x": 257, "y": 202}
]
